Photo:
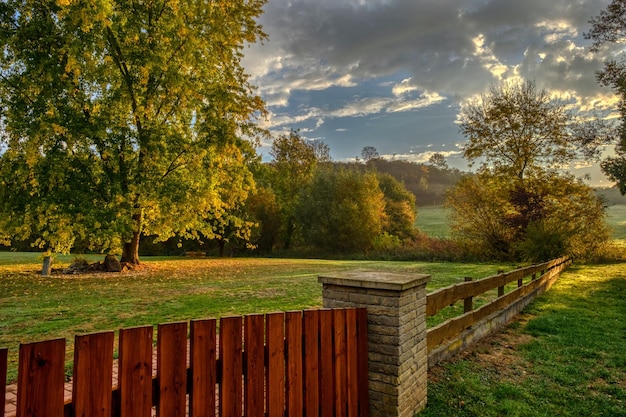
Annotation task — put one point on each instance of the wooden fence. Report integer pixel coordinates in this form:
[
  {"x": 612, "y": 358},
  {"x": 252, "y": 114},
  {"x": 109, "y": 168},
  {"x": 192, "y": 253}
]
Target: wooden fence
[
  {"x": 311, "y": 363},
  {"x": 540, "y": 277}
]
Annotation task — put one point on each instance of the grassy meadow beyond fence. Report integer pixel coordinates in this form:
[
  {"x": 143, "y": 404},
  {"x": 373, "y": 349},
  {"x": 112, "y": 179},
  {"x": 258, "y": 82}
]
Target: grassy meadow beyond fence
[
  {"x": 433, "y": 221},
  {"x": 34, "y": 308}
]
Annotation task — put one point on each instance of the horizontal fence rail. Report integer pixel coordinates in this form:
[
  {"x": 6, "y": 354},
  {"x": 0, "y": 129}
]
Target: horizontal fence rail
[
  {"x": 540, "y": 275},
  {"x": 311, "y": 363}
]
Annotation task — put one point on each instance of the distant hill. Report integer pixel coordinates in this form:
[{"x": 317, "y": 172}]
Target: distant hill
[{"x": 428, "y": 183}]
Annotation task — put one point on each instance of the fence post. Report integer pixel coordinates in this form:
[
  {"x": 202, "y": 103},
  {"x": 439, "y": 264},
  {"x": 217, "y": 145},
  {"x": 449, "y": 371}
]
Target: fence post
[
  {"x": 501, "y": 288},
  {"x": 396, "y": 318},
  {"x": 468, "y": 303}
]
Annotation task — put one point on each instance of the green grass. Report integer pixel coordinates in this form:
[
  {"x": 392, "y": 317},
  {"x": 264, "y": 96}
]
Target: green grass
[
  {"x": 565, "y": 357},
  {"x": 433, "y": 221},
  {"x": 617, "y": 220},
  {"x": 34, "y": 308}
]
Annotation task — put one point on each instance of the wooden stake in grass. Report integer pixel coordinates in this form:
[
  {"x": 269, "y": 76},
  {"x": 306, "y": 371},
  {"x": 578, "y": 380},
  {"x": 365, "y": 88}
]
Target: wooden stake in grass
[{"x": 47, "y": 265}]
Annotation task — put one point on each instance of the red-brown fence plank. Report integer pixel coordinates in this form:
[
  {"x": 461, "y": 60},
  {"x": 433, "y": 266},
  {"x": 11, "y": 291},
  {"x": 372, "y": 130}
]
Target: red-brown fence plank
[
  {"x": 231, "y": 388},
  {"x": 352, "y": 357},
  {"x": 135, "y": 371},
  {"x": 275, "y": 339},
  {"x": 4, "y": 353},
  {"x": 341, "y": 386},
  {"x": 310, "y": 354},
  {"x": 93, "y": 375},
  {"x": 327, "y": 360},
  {"x": 41, "y": 376},
  {"x": 203, "y": 364},
  {"x": 172, "y": 369},
  {"x": 293, "y": 329},
  {"x": 364, "y": 402},
  {"x": 254, "y": 354}
]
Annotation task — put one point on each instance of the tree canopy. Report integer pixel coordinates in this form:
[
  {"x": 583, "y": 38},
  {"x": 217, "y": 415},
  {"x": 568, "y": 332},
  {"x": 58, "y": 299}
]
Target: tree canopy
[
  {"x": 517, "y": 128},
  {"x": 118, "y": 116},
  {"x": 609, "y": 27},
  {"x": 521, "y": 204},
  {"x": 343, "y": 210},
  {"x": 294, "y": 163}
]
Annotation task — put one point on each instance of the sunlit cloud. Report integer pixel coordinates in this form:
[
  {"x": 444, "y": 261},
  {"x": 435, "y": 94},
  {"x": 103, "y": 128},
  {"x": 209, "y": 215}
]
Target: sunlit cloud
[{"x": 330, "y": 65}]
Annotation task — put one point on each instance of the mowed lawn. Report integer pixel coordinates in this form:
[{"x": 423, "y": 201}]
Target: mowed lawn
[
  {"x": 565, "y": 355},
  {"x": 34, "y": 308}
]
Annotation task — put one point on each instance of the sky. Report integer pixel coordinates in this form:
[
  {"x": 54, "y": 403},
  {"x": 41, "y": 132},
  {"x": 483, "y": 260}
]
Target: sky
[{"x": 393, "y": 74}]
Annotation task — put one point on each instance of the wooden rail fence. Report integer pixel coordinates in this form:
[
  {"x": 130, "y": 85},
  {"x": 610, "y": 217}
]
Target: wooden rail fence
[
  {"x": 541, "y": 275},
  {"x": 311, "y": 363}
]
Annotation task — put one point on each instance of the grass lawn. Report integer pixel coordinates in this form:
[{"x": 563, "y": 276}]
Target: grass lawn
[
  {"x": 433, "y": 221},
  {"x": 566, "y": 356},
  {"x": 34, "y": 308}
]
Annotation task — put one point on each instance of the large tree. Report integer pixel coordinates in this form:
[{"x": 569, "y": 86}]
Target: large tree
[
  {"x": 609, "y": 27},
  {"x": 343, "y": 210},
  {"x": 522, "y": 204},
  {"x": 517, "y": 128},
  {"x": 117, "y": 116},
  {"x": 293, "y": 167}
]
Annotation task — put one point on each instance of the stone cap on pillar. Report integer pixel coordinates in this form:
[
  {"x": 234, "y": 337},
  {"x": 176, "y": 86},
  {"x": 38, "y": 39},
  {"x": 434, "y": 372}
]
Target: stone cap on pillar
[{"x": 380, "y": 280}]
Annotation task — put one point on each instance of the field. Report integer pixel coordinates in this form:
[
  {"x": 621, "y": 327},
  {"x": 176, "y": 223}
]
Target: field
[
  {"x": 433, "y": 221},
  {"x": 35, "y": 308},
  {"x": 617, "y": 220},
  {"x": 564, "y": 357}
]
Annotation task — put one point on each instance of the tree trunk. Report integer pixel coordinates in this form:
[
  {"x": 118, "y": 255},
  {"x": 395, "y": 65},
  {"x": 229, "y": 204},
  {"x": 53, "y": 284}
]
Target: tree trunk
[
  {"x": 221, "y": 243},
  {"x": 130, "y": 251}
]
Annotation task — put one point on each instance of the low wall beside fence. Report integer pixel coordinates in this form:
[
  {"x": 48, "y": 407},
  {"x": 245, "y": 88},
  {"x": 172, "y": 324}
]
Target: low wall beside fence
[{"x": 456, "y": 334}]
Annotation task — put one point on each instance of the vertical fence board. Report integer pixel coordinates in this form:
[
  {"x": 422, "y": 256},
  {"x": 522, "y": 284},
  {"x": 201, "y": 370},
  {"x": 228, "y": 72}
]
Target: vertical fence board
[
  {"x": 135, "y": 372},
  {"x": 293, "y": 325},
  {"x": 4, "y": 353},
  {"x": 172, "y": 369},
  {"x": 41, "y": 376},
  {"x": 341, "y": 389},
  {"x": 93, "y": 375},
  {"x": 310, "y": 354},
  {"x": 275, "y": 336},
  {"x": 327, "y": 376},
  {"x": 230, "y": 346},
  {"x": 203, "y": 364},
  {"x": 352, "y": 361},
  {"x": 254, "y": 353},
  {"x": 362, "y": 348}
]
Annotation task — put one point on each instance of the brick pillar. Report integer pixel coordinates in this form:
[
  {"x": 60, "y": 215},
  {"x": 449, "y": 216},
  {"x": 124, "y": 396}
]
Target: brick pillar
[{"x": 396, "y": 328}]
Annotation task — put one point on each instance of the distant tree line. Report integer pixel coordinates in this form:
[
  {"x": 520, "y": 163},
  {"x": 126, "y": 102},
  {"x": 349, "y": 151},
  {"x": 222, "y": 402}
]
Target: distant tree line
[{"x": 130, "y": 128}]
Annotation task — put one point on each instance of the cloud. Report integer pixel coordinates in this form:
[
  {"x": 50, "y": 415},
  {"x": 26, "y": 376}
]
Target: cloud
[
  {"x": 362, "y": 59},
  {"x": 422, "y": 157},
  {"x": 454, "y": 47}
]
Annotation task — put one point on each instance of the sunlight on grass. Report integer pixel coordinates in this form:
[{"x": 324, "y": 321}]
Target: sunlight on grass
[
  {"x": 34, "y": 308},
  {"x": 569, "y": 361}
]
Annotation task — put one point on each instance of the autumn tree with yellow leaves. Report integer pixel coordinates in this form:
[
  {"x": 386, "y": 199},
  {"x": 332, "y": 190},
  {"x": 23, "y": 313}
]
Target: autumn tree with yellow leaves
[{"x": 119, "y": 118}]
